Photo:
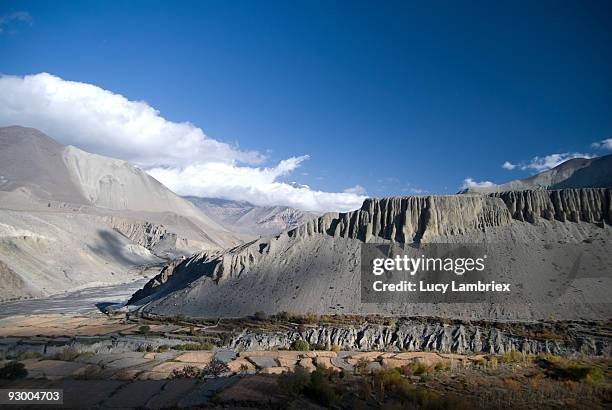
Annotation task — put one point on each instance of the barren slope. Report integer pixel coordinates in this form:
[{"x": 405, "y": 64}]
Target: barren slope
[
  {"x": 69, "y": 218},
  {"x": 316, "y": 267}
]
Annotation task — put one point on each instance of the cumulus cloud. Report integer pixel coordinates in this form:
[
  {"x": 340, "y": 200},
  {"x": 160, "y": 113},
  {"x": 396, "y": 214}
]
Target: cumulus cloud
[
  {"x": 540, "y": 164},
  {"x": 508, "y": 165},
  {"x": 18, "y": 16},
  {"x": 180, "y": 155},
  {"x": 603, "y": 144},
  {"x": 470, "y": 183}
]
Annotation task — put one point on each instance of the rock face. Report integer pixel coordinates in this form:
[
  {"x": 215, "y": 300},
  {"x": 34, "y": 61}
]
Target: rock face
[
  {"x": 316, "y": 267},
  {"x": 411, "y": 219},
  {"x": 420, "y": 335},
  {"x": 575, "y": 205}
]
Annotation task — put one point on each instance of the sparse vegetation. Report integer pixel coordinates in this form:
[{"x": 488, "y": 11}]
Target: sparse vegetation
[
  {"x": 513, "y": 356},
  {"x": 29, "y": 355},
  {"x": 194, "y": 346},
  {"x": 260, "y": 316},
  {"x": 300, "y": 345},
  {"x": 144, "y": 329},
  {"x": 187, "y": 372},
  {"x": 12, "y": 371},
  {"x": 67, "y": 354},
  {"x": 162, "y": 348},
  {"x": 215, "y": 368}
]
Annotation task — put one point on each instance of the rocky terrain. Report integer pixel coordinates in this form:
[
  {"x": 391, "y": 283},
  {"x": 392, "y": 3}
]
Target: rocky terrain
[
  {"x": 244, "y": 217},
  {"x": 70, "y": 219},
  {"x": 316, "y": 267}
]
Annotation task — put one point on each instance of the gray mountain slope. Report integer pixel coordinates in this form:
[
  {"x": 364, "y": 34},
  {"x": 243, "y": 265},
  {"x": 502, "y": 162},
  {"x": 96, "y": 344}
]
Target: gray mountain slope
[
  {"x": 35, "y": 171},
  {"x": 70, "y": 219},
  {"x": 573, "y": 173},
  {"x": 316, "y": 267},
  {"x": 244, "y": 217}
]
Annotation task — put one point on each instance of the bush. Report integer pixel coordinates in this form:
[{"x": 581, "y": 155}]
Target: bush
[
  {"x": 512, "y": 356},
  {"x": 294, "y": 383},
  {"x": 194, "y": 346},
  {"x": 215, "y": 368},
  {"x": 282, "y": 316},
  {"x": 336, "y": 348},
  {"x": 441, "y": 366},
  {"x": 361, "y": 367},
  {"x": 144, "y": 329},
  {"x": 141, "y": 349},
  {"x": 260, "y": 316},
  {"x": 321, "y": 387},
  {"x": 163, "y": 348},
  {"x": 68, "y": 354},
  {"x": 29, "y": 355},
  {"x": 13, "y": 370},
  {"x": 300, "y": 345},
  {"x": 187, "y": 372}
]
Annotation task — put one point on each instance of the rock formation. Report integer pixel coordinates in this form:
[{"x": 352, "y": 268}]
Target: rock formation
[{"x": 315, "y": 267}]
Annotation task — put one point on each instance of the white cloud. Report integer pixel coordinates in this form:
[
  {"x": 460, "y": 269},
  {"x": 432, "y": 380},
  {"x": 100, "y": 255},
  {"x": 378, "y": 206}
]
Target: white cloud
[
  {"x": 21, "y": 16},
  {"x": 357, "y": 190},
  {"x": 508, "y": 165},
  {"x": 540, "y": 164},
  {"x": 603, "y": 144},
  {"x": 180, "y": 155},
  {"x": 470, "y": 183},
  {"x": 547, "y": 162}
]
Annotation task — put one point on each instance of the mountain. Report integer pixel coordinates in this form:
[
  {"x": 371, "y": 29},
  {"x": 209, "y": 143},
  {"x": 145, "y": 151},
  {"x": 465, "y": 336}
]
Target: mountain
[
  {"x": 573, "y": 173},
  {"x": 244, "y": 217},
  {"x": 69, "y": 218},
  {"x": 315, "y": 268}
]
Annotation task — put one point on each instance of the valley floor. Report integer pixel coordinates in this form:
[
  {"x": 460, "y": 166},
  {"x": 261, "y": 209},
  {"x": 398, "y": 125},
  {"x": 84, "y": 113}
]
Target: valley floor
[{"x": 113, "y": 362}]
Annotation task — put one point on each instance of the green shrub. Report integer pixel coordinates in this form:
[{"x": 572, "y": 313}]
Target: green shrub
[
  {"x": 194, "y": 346},
  {"x": 441, "y": 366},
  {"x": 215, "y": 368},
  {"x": 141, "y": 349},
  {"x": 13, "y": 370},
  {"x": 321, "y": 387},
  {"x": 361, "y": 367},
  {"x": 144, "y": 329},
  {"x": 29, "y": 355},
  {"x": 68, "y": 354},
  {"x": 587, "y": 373},
  {"x": 294, "y": 383},
  {"x": 336, "y": 348},
  {"x": 300, "y": 345},
  {"x": 260, "y": 315},
  {"x": 163, "y": 348},
  {"x": 187, "y": 372},
  {"x": 512, "y": 356}
]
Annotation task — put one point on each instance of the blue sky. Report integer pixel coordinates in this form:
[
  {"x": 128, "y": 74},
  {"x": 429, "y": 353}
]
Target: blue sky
[{"x": 395, "y": 97}]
